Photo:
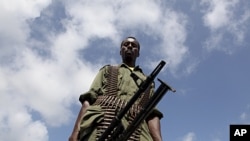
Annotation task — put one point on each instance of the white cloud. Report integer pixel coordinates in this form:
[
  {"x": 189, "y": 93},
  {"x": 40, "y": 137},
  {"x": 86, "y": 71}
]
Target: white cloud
[
  {"x": 15, "y": 118},
  {"x": 224, "y": 19},
  {"x": 47, "y": 87},
  {"x": 48, "y": 83},
  {"x": 174, "y": 35},
  {"x": 219, "y": 13},
  {"x": 92, "y": 18},
  {"x": 23, "y": 8},
  {"x": 142, "y": 13},
  {"x": 245, "y": 115},
  {"x": 16, "y": 121},
  {"x": 189, "y": 137},
  {"x": 13, "y": 16}
]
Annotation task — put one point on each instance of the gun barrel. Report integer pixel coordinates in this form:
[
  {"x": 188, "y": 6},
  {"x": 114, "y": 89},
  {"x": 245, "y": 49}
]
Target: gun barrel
[{"x": 158, "y": 69}]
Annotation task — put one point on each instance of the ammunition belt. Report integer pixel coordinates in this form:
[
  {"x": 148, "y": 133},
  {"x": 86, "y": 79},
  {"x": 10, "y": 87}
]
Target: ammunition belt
[
  {"x": 111, "y": 105},
  {"x": 112, "y": 80}
]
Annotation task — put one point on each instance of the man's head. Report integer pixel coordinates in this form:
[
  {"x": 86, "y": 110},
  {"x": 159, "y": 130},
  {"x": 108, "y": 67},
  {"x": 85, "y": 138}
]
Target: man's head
[{"x": 130, "y": 48}]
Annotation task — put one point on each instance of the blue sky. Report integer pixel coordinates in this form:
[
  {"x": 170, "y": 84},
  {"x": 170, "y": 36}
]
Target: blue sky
[{"x": 51, "y": 51}]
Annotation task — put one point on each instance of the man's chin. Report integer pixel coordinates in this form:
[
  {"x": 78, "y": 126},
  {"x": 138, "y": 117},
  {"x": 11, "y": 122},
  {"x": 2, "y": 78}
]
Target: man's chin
[{"x": 128, "y": 58}]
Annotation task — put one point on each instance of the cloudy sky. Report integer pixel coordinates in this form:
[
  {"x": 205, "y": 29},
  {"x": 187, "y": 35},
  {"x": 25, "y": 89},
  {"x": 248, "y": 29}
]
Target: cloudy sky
[{"x": 52, "y": 49}]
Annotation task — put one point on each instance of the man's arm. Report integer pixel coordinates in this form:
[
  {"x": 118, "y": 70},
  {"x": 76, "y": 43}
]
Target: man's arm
[
  {"x": 155, "y": 128},
  {"x": 74, "y": 134}
]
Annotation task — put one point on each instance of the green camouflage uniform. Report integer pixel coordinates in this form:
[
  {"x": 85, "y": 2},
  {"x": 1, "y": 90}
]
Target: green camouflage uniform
[{"x": 127, "y": 87}]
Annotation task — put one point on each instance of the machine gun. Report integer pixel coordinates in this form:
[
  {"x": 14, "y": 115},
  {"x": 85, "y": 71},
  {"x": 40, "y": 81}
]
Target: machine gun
[
  {"x": 143, "y": 114},
  {"x": 115, "y": 127}
]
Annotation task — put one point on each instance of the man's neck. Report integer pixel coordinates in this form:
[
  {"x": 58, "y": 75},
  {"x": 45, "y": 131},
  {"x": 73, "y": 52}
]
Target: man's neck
[{"x": 130, "y": 64}]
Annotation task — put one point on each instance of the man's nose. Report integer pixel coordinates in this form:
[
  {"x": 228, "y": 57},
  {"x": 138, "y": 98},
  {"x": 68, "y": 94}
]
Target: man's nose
[{"x": 130, "y": 45}]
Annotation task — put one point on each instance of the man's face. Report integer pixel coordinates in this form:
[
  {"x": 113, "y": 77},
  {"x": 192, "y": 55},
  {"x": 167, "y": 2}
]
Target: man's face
[{"x": 129, "y": 50}]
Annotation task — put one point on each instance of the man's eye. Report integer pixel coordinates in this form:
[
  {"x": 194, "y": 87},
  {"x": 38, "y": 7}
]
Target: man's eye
[
  {"x": 133, "y": 45},
  {"x": 126, "y": 44}
]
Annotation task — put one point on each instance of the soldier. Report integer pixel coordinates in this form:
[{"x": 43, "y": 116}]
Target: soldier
[{"x": 109, "y": 92}]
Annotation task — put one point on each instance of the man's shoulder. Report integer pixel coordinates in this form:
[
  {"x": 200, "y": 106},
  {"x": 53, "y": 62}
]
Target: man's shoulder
[{"x": 105, "y": 67}]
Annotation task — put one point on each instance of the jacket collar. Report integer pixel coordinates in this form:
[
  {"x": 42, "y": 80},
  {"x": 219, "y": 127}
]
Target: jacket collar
[{"x": 137, "y": 68}]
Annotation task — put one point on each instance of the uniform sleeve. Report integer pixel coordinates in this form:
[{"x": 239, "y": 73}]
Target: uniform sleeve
[
  {"x": 157, "y": 113},
  {"x": 97, "y": 87}
]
